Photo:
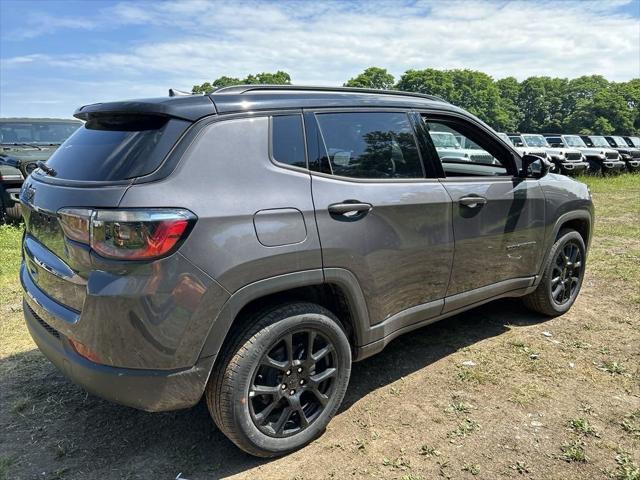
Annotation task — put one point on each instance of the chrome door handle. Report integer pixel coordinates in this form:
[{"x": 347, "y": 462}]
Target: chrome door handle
[{"x": 472, "y": 201}]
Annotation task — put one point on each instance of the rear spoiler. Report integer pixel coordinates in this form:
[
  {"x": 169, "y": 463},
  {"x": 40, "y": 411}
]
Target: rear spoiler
[{"x": 189, "y": 108}]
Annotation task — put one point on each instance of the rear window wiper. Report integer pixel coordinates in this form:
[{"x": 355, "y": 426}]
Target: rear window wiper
[{"x": 46, "y": 169}]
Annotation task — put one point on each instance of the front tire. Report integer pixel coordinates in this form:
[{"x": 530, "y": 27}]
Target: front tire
[
  {"x": 562, "y": 277},
  {"x": 279, "y": 383}
]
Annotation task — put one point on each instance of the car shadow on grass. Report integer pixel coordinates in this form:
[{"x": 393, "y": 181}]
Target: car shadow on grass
[{"x": 49, "y": 425}]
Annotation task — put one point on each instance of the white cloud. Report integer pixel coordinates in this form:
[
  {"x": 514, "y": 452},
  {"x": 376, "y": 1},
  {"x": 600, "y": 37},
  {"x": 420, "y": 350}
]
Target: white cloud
[{"x": 328, "y": 43}]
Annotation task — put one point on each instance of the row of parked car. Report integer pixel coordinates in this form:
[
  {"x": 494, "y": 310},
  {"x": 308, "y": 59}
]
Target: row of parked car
[{"x": 574, "y": 154}]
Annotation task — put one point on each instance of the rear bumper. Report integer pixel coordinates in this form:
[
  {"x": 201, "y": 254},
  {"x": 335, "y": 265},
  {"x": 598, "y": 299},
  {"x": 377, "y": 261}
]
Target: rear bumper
[{"x": 150, "y": 390}]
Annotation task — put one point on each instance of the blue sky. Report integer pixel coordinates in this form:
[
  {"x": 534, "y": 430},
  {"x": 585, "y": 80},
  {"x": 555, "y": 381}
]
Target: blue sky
[{"x": 57, "y": 55}]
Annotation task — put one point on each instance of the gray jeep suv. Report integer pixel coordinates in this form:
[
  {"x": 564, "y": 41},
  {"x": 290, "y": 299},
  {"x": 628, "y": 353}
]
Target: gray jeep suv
[{"x": 248, "y": 245}]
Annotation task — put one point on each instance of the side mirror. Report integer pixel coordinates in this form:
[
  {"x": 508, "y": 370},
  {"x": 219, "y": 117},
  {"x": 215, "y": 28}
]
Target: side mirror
[{"x": 534, "y": 167}]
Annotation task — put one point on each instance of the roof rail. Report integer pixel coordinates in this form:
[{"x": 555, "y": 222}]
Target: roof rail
[{"x": 239, "y": 89}]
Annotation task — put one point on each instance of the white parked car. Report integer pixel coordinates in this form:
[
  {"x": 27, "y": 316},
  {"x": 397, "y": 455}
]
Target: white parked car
[
  {"x": 448, "y": 146},
  {"x": 567, "y": 160}
]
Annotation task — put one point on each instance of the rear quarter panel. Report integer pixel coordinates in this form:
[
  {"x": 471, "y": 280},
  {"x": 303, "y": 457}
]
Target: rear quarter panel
[{"x": 228, "y": 180}]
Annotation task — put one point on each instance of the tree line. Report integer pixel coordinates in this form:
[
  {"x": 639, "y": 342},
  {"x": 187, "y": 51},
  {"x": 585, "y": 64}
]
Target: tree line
[{"x": 589, "y": 104}]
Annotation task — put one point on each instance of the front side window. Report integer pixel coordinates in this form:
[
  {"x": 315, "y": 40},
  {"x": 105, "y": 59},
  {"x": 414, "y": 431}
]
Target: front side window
[
  {"x": 287, "y": 140},
  {"x": 481, "y": 160},
  {"x": 375, "y": 145}
]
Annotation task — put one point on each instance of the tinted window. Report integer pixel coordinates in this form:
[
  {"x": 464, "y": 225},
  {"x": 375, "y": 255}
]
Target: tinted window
[
  {"x": 472, "y": 155},
  {"x": 370, "y": 145},
  {"x": 555, "y": 141},
  {"x": 287, "y": 140},
  {"x": 116, "y": 148}
]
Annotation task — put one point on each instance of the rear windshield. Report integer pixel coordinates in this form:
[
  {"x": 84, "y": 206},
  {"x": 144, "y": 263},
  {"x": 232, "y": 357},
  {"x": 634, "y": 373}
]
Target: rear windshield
[{"x": 116, "y": 148}]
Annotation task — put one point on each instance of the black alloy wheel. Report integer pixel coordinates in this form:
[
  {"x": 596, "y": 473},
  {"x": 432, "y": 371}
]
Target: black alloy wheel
[
  {"x": 566, "y": 274},
  {"x": 293, "y": 383}
]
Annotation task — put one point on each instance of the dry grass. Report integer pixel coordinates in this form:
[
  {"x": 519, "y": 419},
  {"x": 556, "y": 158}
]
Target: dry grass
[{"x": 543, "y": 399}]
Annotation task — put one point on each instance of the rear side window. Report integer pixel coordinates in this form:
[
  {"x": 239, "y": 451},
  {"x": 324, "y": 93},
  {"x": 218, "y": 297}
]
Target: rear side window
[
  {"x": 374, "y": 145},
  {"x": 111, "y": 148},
  {"x": 287, "y": 140}
]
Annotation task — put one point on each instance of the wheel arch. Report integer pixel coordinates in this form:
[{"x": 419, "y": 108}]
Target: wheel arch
[
  {"x": 335, "y": 289},
  {"x": 579, "y": 220}
]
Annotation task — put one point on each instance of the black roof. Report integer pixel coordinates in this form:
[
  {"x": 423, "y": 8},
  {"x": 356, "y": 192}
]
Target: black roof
[{"x": 265, "y": 97}]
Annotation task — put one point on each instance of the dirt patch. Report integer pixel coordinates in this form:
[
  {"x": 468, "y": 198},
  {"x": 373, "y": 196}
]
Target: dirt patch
[{"x": 491, "y": 393}]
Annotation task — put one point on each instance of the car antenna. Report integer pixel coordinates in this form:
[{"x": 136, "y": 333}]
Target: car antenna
[{"x": 178, "y": 93}]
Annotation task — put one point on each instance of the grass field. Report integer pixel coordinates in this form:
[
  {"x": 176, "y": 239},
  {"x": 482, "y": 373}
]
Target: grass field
[{"x": 497, "y": 392}]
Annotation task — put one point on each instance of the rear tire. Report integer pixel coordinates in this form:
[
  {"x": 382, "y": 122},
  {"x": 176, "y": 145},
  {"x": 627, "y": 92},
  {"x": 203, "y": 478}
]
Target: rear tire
[
  {"x": 562, "y": 277},
  {"x": 279, "y": 382}
]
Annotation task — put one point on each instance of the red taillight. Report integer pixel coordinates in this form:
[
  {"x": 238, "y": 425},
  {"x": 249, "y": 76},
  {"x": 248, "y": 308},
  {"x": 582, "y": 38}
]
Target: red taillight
[{"x": 128, "y": 234}]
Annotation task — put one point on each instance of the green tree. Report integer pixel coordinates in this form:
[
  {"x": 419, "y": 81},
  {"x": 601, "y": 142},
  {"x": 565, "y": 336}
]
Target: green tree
[
  {"x": 206, "y": 87},
  {"x": 477, "y": 92},
  {"x": 372, "y": 77},
  {"x": 429, "y": 81},
  {"x": 472, "y": 90},
  {"x": 583, "y": 89},
  {"x": 509, "y": 89},
  {"x": 631, "y": 92},
  {"x": 542, "y": 103},
  {"x": 225, "y": 81},
  {"x": 264, "y": 78},
  {"x": 606, "y": 112}
]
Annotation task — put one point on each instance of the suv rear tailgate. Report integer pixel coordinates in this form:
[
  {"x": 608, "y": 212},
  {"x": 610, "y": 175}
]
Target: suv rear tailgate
[{"x": 55, "y": 264}]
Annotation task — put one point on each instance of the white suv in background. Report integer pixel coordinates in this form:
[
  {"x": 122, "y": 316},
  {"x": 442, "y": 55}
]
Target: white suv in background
[
  {"x": 566, "y": 160},
  {"x": 448, "y": 146}
]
